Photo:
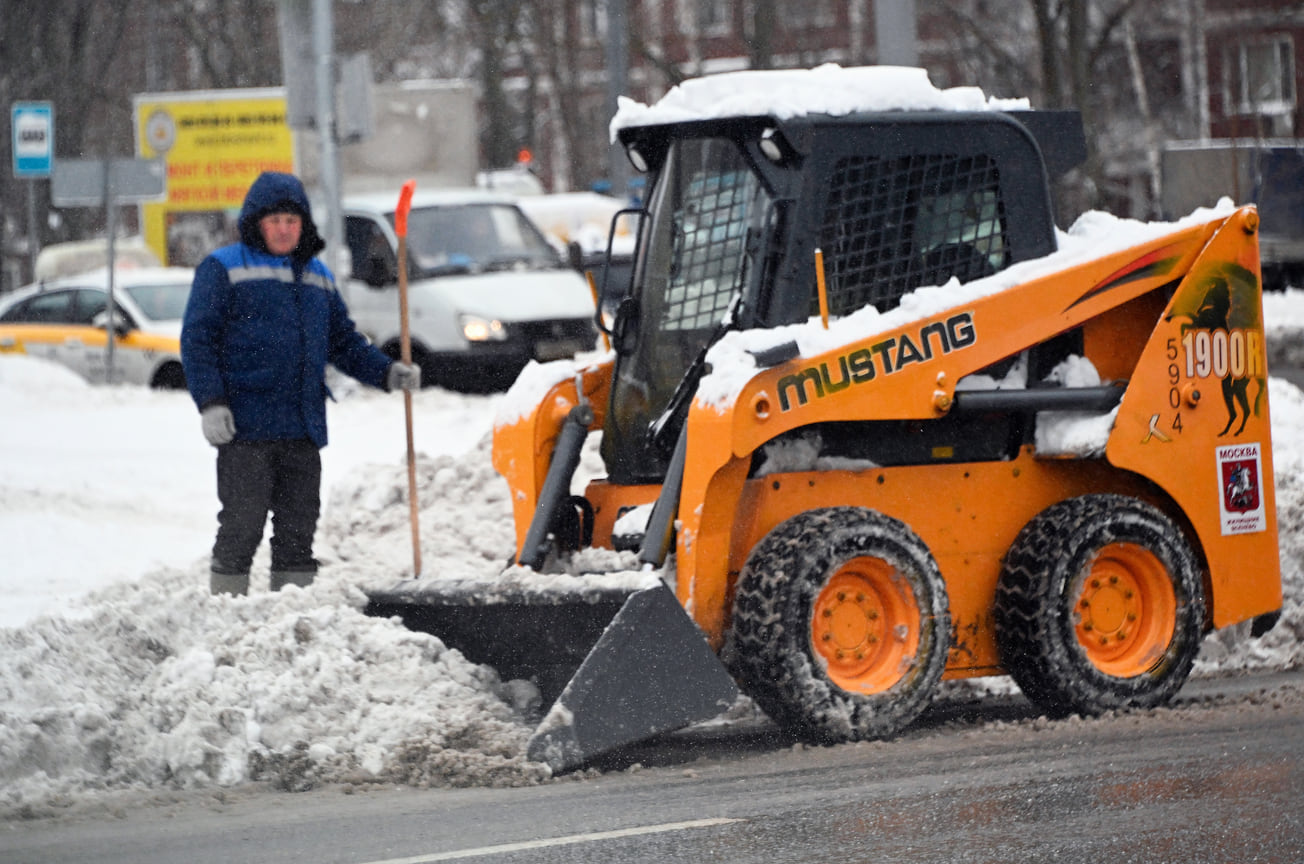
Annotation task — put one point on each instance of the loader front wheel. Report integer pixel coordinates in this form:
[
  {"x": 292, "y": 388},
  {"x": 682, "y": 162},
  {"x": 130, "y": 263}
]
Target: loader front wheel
[
  {"x": 1100, "y": 606},
  {"x": 841, "y": 625}
]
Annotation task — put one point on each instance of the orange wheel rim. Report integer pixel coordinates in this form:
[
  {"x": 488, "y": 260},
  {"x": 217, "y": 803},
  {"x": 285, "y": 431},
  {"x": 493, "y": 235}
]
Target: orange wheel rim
[
  {"x": 1125, "y": 611},
  {"x": 865, "y": 626}
]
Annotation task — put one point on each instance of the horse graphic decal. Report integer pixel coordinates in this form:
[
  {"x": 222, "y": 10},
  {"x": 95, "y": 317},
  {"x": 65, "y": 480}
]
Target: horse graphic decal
[{"x": 1222, "y": 336}]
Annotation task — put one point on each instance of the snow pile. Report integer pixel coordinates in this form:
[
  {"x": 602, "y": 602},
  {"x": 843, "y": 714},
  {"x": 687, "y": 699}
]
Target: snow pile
[
  {"x": 1282, "y": 329},
  {"x": 536, "y": 379},
  {"x": 1283, "y": 646},
  {"x": 97, "y": 485},
  {"x": 164, "y": 685},
  {"x": 1080, "y": 433},
  {"x": 464, "y": 514},
  {"x": 805, "y": 453},
  {"x": 295, "y": 688}
]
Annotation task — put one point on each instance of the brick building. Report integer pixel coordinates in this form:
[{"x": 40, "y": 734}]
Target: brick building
[{"x": 1185, "y": 69}]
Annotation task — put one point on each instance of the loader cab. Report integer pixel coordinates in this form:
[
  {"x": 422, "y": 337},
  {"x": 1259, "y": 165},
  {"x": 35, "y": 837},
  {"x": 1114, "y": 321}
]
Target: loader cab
[{"x": 737, "y": 208}]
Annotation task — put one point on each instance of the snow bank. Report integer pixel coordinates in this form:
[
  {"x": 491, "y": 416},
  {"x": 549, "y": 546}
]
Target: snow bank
[
  {"x": 1283, "y": 646},
  {"x": 165, "y": 686},
  {"x": 1283, "y": 328},
  {"x": 295, "y": 688}
]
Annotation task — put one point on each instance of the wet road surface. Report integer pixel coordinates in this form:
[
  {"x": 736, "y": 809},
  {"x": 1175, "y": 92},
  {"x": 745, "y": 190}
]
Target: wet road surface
[{"x": 1219, "y": 777}]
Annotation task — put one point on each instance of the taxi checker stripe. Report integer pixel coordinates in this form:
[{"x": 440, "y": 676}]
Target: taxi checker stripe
[{"x": 279, "y": 274}]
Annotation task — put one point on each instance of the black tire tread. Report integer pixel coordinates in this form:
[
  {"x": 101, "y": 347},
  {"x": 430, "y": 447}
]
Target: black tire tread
[
  {"x": 1035, "y": 634},
  {"x": 771, "y": 653}
]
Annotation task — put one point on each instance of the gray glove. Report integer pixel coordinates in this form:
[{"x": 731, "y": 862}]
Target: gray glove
[
  {"x": 403, "y": 377},
  {"x": 219, "y": 425}
]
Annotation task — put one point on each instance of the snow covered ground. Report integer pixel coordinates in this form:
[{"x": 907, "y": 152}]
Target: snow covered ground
[{"x": 119, "y": 671}]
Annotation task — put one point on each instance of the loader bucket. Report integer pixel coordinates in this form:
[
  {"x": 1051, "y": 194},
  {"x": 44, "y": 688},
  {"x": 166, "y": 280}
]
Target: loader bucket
[{"x": 618, "y": 662}]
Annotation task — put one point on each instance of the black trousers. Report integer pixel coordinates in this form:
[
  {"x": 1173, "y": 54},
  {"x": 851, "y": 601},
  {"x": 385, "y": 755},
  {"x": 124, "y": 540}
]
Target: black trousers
[{"x": 255, "y": 478}]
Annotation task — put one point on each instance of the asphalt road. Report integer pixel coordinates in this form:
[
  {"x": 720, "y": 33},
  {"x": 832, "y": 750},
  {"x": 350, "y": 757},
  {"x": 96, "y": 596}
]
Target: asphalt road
[{"x": 1219, "y": 777}]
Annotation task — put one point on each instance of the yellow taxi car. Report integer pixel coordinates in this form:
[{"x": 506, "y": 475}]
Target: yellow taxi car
[{"x": 67, "y": 321}]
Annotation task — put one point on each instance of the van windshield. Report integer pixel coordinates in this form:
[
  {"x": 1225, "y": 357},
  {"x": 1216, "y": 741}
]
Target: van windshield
[{"x": 471, "y": 238}]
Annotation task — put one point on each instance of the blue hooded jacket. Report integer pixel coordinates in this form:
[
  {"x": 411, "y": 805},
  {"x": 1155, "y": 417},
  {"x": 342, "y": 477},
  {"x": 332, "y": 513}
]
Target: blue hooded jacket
[{"x": 260, "y": 328}]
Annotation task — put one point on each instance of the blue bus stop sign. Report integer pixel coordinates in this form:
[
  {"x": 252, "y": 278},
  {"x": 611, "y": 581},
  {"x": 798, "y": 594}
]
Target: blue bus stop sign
[{"x": 33, "y": 142}]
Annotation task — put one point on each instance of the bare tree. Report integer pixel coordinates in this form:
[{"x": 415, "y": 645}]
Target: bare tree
[
  {"x": 409, "y": 39},
  {"x": 228, "y": 44},
  {"x": 69, "y": 54},
  {"x": 760, "y": 29},
  {"x": 558, "y": 39},
  {"x": 1080, "y": 61},
  {"x": 495, "y": 29}
]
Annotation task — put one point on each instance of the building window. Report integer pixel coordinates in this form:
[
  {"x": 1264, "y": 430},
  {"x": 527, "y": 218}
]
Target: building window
[
  {"x": 593, "y": 20},
  {"x": 808, "y": 15},
  {"x": 1260, "y": 76},
  {"x": 705, "y": 17}
]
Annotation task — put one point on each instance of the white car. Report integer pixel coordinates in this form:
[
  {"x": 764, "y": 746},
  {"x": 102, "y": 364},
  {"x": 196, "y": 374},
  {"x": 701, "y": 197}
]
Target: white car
[
  {"x": 487, "y": 292},
  {"x": 585, "y": 224},
  {"x": 67, "y": 321}
]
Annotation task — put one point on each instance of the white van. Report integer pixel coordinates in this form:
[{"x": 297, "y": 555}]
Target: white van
[
  {"x": 582, "y": 224},
  {"x": 487, "y": 293}
]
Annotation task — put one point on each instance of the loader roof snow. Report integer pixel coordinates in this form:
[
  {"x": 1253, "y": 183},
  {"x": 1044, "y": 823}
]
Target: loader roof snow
[{"x": 786, "y": 93}]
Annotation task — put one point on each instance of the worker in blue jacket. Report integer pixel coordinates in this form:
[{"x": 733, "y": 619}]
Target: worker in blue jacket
[{"x": 263, "y": 320}]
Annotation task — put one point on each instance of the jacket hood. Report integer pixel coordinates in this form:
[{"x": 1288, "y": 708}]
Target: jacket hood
[{"x": 273, "y": 192}]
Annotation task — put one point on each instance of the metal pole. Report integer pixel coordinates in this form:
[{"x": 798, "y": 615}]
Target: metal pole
[
  {"x": 33, "y": 236},
  {"x": 110, "y": 211},
  {"x": 896, "y": 30},
  {"x": 323, "y": 30}
]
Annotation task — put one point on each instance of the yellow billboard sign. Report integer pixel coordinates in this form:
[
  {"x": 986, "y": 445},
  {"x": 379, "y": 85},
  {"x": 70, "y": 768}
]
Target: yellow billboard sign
[{"x": 215, "y": 144}]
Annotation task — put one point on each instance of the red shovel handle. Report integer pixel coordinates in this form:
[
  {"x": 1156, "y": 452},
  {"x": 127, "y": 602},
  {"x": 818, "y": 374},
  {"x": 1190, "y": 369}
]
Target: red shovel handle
[{"x": 404, "y": 205}]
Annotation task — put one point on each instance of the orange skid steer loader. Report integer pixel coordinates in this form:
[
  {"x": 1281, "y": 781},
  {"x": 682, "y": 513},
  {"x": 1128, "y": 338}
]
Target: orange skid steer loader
[{"x": 870, "y": 422}]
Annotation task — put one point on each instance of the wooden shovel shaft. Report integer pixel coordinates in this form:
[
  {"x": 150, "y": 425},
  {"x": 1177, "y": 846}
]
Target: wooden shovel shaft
[{"x": 405, "y": 353}]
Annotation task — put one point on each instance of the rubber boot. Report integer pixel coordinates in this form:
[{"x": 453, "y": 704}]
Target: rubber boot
[
  {"x": 236, "y": 584},
  {"x": 281, "y": 578}
]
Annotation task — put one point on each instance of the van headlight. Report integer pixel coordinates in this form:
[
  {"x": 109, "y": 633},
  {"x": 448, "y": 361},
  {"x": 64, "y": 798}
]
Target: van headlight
[{"x": 477, "y": 329}]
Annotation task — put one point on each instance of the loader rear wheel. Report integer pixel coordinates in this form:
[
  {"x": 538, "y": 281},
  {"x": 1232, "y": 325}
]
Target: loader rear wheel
[
  {"x": 1099, "y": 606},
  {"x": 841, "y": 625}
]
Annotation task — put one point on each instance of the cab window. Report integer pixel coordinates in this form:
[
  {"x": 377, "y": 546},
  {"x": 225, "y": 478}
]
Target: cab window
[
  {"x": 52, "y": 308},
  {"x": 88, "y": 304}
]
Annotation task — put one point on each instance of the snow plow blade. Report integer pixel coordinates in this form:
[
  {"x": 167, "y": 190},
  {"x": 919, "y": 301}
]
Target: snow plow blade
[{"x": 617, "y": 664}]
